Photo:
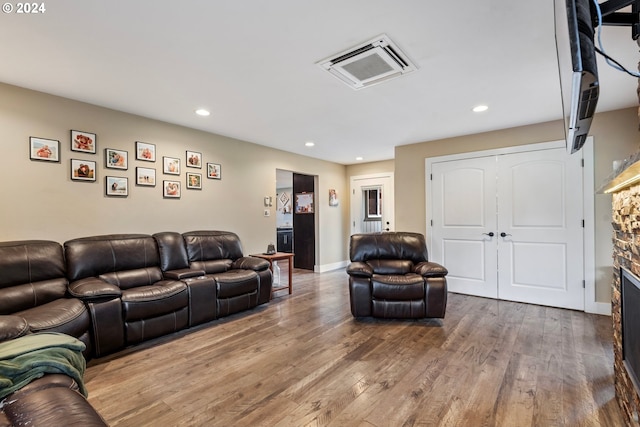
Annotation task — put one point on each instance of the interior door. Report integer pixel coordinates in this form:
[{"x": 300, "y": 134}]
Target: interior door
[
  {"x": 510, "y": 226},
  {"x": 367, "y": 215},
  {"x": 464, "y": 220},
  {"x": 540, "y": 230},
  {"x": 304, "y": 237}
]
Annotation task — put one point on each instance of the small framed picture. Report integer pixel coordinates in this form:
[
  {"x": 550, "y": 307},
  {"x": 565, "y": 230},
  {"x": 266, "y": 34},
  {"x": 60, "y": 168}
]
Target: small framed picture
[
  {"x": 145, "y": 152},
  {"x": 171, "y": 189},
  {"x": 214, "y": 171},
  {"x": 44, "y": 149},
  {"x": 304, "y": 203},
  {"x": 116, "y": 159},
  {"x": 194, "y": 159},
  {"x": 171, "y": 165},
  {"x": 333, "y": 197},
  {"x": 194, "y": 181},
  {"x": 146, "y": 177},
  {"x": 117, "y": 186},
  {"x": 84, "y": 142},
  {"x": 83, "y": 170}
]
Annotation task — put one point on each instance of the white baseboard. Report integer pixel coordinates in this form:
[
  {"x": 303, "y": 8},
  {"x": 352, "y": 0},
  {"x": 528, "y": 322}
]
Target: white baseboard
[
  {"x": 603, "y": 308},
  {"x": 330, "y": 267}
]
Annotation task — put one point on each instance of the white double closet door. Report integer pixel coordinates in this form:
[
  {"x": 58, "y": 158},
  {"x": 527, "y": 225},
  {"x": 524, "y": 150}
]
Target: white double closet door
[{"x": 510, "y": 226}]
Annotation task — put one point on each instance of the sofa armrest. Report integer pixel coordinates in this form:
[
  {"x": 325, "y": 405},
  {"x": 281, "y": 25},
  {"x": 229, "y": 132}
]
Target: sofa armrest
[
  {"x": 250, "y": 263},
  {"x": 94, "y": 289},
  {"x": 430, "y": 269},
  {"x": 12, "y": 327},
  {"x": 359, "y": 269},
  {"x": 183, "y": 273}
]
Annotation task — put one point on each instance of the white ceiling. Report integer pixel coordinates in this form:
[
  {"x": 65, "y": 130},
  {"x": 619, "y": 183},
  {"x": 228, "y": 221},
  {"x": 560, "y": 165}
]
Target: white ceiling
[{"x": 253, "y": 64}]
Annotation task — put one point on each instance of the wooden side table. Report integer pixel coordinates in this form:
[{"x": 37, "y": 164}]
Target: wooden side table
[{"x": 276, "y": 257}]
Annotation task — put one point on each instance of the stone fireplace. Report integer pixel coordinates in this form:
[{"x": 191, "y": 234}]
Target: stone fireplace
[{"x": 626, "y": 254}]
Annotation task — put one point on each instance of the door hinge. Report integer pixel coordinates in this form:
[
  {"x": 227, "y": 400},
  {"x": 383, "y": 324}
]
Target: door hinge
[
  {"x": 582, "y": 162},
  {"x": 431, "y": 177},
  {"x": 584, "y": 284},
  {"x": 432, "y": 223},
  {"x": 583, "y": 223}
]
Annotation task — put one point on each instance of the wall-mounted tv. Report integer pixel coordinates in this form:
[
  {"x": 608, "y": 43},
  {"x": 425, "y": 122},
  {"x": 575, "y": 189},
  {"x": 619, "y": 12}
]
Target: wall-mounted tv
[{"x": 578, "y": 68}]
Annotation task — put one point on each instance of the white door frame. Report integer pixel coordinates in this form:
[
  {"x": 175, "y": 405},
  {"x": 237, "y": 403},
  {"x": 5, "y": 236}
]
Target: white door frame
[{"x": 590, "y": 303}]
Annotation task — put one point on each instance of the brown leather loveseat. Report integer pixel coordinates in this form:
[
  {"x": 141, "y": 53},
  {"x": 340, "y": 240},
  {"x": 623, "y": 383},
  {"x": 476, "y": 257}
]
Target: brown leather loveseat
[
  {"x": 390, "y": 276},
  {"x": 214, "y": 262}
]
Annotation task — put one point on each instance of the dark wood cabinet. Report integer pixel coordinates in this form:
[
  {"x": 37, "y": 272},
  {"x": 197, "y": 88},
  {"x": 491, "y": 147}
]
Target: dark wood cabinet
[{"x": 285, "y": 240}]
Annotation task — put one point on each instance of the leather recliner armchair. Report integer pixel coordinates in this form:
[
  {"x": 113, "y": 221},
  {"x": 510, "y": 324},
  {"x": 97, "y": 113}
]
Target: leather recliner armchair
[
  {"x": 118, "y": 276},
  {"x": 33, "y": 293},
  {"x": 390, "y": 276}
]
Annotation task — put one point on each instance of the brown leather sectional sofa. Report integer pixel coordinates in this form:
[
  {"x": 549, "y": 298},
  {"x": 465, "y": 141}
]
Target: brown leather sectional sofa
[{"x": 114, "y": 291}]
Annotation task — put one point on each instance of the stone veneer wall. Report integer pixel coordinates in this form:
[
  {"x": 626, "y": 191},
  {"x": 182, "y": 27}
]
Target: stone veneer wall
[{"x": 626, "y": 253}]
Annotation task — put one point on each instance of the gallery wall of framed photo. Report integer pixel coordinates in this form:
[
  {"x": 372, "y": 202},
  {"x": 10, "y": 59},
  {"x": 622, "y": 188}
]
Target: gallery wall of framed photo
[{"x": 85, "y": 158}]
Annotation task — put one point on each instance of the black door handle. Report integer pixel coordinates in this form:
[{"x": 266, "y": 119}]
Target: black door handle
[
  {"x": 503, "y": 234},
  {"x": 490, "y": 234}
]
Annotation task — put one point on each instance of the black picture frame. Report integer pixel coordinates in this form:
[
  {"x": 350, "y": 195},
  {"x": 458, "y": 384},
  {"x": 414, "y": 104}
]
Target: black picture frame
[
  {"x": 116, "y": 186},
  {"x": 84, "y": 142},
  {"x": 83, "y": 170},
  {"x": 44, "y": 149},
  {"x": 116, "y": 159},
  {"x": 145, "y": 152}
]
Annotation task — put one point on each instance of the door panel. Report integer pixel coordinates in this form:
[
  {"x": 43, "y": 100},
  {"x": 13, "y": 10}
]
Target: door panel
[
  {"x": 464, "y": 212},
  {"x": 540, "y": 210},
  {"x": 304, "y": 238}
]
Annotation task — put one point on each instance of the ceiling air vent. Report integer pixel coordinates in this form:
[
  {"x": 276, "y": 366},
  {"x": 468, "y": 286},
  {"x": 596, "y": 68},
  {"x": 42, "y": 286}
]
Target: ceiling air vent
[{"x": 368, "y": 64}]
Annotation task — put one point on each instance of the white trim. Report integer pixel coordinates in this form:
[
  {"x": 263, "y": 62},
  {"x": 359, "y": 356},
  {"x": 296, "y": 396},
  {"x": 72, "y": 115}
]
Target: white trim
[
  {"x": 590, "y": 303},
  {"x": 330, "y": 267},
  {"x": 589, "y": 232}
]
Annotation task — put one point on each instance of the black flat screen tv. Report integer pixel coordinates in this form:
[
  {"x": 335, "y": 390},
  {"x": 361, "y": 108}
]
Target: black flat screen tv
[{"x": 574, "y": 21}]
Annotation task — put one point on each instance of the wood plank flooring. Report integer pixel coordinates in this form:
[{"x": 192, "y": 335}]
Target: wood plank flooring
[{"x": 303, "y": 360}]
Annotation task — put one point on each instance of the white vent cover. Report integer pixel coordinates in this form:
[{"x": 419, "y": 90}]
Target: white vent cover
[{"x": 370, "y": 63}]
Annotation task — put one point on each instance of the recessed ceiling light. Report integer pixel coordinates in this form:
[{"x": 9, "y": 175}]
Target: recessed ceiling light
[
  {"x": 359, "y": 158},
  {"x": 202, "y": 112},
  {"x": 309, "y": 144},
  {"x": 480, "y": 108}
]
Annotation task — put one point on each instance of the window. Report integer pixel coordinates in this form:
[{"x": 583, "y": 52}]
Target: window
[{"x": 373, "y": 204}]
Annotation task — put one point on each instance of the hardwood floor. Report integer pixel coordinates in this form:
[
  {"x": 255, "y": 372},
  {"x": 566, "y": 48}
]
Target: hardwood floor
[{"x": 303, "y": 360}]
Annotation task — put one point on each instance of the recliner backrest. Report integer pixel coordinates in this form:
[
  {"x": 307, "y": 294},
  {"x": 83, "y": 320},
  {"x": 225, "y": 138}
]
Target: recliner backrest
[
  {"x": 212, "y": 246},
  {"x": 399, "y": 245},
  {"x": 32, "y": 274},
  {"x": 172, "y": 249},
  {"x": 125, "y": 260}
]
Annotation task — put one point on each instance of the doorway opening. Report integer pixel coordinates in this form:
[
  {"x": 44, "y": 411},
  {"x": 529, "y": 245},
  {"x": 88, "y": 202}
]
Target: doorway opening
[{"x": 295, "y": 217}]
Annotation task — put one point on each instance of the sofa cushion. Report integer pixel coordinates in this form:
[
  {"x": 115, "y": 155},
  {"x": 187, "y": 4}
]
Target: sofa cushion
[
  {"x": 390, "y": 266},
  {"x": 236, "y": 282},
  {"x": 212, "y": 266},
  {"x": 388, "y": 245},
  {"x": 212, "y": 245},
  {"x": 30, "y": 261},
  {"x": 398, "y": 288},
  {"x": 128, "y": 279},
  {"x": 31, "y": 294},
  {"x": 164, "y": 297},
  {"x": 66, "y": 315},
  {"x": 94, "y": 256}
]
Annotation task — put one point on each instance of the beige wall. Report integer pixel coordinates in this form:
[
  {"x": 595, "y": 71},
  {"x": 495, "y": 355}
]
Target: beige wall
[
  {"x": 615, "y": 137},
  {"x": 39, "y": 200},
  {"x": 370, "y": 168}
]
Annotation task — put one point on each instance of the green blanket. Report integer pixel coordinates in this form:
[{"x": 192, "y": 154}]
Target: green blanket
[{"x": 27, "y": 358}]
